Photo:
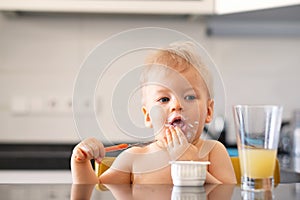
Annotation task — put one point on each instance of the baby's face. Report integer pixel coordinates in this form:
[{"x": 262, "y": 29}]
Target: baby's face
[{"x": 178, "y": 99}]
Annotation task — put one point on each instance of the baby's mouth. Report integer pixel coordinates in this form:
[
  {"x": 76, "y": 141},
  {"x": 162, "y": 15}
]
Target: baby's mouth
[{"x": 177, "y": 122}]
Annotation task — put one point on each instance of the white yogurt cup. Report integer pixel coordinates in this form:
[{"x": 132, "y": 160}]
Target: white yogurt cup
[{"x": 188, "y": 173}]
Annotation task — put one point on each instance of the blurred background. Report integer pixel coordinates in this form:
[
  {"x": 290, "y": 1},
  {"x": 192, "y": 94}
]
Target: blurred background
[{"x": 43, "y": 44}]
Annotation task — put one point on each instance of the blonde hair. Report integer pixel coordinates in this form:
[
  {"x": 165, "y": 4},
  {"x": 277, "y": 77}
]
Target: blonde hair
[{"x": 180, "y": 56}]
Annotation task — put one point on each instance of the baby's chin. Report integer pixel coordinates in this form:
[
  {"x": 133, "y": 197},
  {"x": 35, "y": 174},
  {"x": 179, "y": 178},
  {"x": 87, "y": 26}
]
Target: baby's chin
[{"x": 190, "y": 137}]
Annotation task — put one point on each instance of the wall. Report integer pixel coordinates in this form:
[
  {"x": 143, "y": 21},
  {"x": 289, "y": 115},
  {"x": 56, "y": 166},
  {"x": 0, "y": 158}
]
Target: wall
[{"x": 41, "y": 54}]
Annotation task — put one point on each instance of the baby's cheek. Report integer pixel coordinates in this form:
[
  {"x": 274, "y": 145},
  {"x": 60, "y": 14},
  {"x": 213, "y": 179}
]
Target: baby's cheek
[
  {"x": 190, "y": 136},
  {"x": 192, "y": 130},
  {"x": 158, "y": 117}
]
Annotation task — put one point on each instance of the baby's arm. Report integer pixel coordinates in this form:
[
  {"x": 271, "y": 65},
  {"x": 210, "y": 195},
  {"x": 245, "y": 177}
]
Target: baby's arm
[
  {"x": 120, "y": 171},
  {"x": 220, "y": 168},
  {"x": 81, "y": 167}
]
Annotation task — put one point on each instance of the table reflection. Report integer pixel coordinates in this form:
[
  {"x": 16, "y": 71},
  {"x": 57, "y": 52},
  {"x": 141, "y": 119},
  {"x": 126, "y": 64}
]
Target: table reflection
[
  {"x": 257, "y": 195},
  {"x": 128, "y": 192},
  {"x": 52, "y": 191}
]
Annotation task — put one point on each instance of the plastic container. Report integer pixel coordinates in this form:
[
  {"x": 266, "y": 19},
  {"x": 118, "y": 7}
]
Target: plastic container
[{"x": 188, "y": 173}]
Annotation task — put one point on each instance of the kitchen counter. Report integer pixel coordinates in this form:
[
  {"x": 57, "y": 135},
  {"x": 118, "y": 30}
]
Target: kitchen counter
[
  {"x": 35, "y": 177},
  {"x": 162, "y": 192}
]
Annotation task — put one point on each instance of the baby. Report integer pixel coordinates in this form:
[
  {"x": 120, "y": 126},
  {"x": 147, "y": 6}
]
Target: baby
[{"x": 176, "y": 102}]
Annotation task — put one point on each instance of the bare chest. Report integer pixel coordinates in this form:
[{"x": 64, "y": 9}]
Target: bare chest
[
  {"x": 152, "y": 168},
  {"x": 158, "y": 176}
]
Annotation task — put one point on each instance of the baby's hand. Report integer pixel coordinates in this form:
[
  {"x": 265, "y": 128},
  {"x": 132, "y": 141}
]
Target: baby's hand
[
  {"x": 88, "y": 149},
  {"x": 177, "y": 144}
]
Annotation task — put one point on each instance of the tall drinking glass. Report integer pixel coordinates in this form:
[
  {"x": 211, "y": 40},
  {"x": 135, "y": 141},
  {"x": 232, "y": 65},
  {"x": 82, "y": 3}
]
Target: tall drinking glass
[{"x": 257, "y": 133}]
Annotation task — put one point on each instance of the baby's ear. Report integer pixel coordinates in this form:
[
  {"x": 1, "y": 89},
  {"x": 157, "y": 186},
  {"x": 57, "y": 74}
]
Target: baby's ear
[
  {"x": 210, "y": 111},
  {"x": 147, "y": 119}
]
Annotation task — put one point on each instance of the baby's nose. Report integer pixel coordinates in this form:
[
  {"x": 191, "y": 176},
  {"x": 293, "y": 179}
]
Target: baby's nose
[{"x": 176, "y": 105}]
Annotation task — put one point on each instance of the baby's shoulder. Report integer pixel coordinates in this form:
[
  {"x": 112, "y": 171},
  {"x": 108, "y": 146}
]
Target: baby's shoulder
[
  {"x": 208, "y": 147},
  {"x": 137, "y": 150},
  {"x": 204, "y": 144},
  {"x": 131, "y": 153},
  {"x": 124, "y": 161},
  {"x": 211, "y": 143}
]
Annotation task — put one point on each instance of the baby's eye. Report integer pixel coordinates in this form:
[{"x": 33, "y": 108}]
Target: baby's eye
[
  {"x": 164, "y": 99},
  {"x": 190, "y": 97}
]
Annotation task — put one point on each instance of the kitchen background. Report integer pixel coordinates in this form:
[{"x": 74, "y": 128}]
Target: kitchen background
[{"x": 41, "y": 53}]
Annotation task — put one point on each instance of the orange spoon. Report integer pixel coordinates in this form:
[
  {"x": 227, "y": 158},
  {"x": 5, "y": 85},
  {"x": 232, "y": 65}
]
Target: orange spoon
[
  {"x": 116, "y": 147},
  {"x": 125, "y": 146}
]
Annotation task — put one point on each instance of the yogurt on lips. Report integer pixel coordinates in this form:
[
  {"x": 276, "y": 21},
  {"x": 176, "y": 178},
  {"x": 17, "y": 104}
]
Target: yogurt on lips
[
  {"x": 188, "y": 128},
  {"x": 177, "y": 120}
]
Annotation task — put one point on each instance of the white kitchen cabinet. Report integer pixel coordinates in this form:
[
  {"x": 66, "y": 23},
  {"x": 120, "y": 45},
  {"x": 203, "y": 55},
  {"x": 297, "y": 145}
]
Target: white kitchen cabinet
[{"x": 193, "y": 7}]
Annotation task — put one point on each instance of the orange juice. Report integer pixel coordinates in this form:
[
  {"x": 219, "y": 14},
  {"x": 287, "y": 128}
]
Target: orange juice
[{"x": 257, "y": 163}]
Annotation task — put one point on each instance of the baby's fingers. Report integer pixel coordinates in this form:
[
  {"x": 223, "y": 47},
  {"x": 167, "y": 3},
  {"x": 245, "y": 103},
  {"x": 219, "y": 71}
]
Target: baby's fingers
[
  {"x": 89, "y": 149},
  {"x": 79, "y": 154},
  {"x": 169, "y": 138},
  {"x": 175, "y": 136},
  {"x": 180, "y": 135},
  {"x": 97, "y": 150}
]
